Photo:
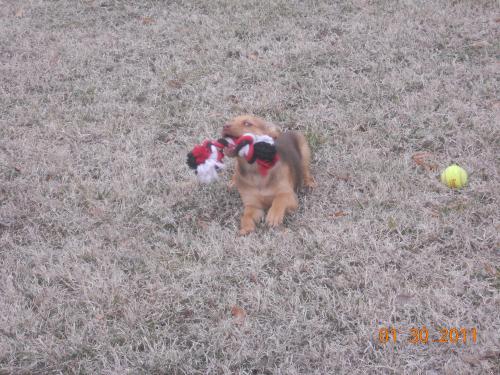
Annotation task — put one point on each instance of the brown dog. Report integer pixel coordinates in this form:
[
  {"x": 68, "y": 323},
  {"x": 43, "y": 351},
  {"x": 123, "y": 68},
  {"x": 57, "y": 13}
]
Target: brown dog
[{"x": 276, "y": 190}]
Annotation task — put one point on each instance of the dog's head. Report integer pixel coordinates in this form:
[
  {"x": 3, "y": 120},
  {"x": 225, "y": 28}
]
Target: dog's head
[{"x": 249, "y": 124}]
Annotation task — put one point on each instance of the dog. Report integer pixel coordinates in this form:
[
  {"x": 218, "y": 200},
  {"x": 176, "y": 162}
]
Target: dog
[{"x": 275, "y": 190}]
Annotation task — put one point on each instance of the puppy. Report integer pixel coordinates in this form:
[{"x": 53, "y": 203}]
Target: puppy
[{"x": 276, "y": 190}]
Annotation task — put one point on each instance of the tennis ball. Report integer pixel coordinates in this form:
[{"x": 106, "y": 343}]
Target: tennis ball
[{"x": 454, "y": 177}]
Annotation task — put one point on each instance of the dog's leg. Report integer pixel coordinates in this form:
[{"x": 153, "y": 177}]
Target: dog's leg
[
  {"x": 251, "y": 215},
  {"x": 232, "y": 184},
  {"x": 282, "y": 203},
  {"x": 305, "y": 153}
]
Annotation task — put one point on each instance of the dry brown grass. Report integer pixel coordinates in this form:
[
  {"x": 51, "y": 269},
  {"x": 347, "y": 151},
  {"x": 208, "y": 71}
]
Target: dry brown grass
[{"x": 113, "y": 259}]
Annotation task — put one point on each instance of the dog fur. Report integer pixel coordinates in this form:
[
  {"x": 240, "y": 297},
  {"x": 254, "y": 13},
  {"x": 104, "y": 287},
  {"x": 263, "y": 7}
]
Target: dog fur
[{"x": 275, "y": 192}]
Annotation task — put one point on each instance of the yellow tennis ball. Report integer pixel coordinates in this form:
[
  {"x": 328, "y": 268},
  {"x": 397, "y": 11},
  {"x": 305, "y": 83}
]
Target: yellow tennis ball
[{"x": 454, "y": 177}]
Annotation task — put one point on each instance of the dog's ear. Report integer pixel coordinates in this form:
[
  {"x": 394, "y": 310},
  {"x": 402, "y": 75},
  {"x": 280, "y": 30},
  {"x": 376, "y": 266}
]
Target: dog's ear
[{"x": 272, "y": 130}]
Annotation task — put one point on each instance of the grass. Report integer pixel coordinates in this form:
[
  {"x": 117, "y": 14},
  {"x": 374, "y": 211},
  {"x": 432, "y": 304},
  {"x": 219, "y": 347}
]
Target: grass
[{"x": 115, "y": 261}]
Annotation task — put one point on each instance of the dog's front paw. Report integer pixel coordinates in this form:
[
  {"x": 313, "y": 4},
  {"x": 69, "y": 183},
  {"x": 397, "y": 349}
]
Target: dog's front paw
[
  {"x": 310, "y": 183},
  {"x": 245, "y": 231},
  {"x": 274, "y": 218}
]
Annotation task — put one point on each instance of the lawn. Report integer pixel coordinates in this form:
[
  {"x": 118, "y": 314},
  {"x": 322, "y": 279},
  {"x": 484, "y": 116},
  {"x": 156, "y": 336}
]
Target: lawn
[{"x": 114, "y": 260}]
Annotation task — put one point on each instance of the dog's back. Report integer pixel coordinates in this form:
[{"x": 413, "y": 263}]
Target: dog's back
[{"x": 288, "y": 147}]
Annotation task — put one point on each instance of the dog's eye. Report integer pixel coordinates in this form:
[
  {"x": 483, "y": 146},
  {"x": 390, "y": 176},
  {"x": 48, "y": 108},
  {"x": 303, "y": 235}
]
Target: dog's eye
[{"x": 247, "y": 123}]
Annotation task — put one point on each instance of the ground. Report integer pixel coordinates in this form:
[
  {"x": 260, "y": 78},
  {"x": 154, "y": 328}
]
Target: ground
[{"x": 114, "y": 260}]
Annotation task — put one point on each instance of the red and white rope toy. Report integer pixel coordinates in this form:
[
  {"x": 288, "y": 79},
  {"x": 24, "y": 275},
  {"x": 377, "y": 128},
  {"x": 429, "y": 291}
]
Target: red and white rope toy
[{"x": 206, "y": 158}]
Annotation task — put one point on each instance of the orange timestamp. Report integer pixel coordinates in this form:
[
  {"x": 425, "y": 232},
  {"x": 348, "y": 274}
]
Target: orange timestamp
[{"x": 421, "y": 335}]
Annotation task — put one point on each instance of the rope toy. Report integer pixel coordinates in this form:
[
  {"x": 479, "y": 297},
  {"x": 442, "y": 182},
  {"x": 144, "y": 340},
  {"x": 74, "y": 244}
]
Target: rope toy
[{"x": 207, "y": 158}]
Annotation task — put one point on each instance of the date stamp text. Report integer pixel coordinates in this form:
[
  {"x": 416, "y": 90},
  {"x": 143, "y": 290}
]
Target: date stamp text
[{"x": 421, "y": 335}]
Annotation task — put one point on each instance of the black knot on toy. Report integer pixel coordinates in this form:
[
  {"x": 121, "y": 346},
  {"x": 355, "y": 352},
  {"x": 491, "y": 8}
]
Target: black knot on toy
[{"x": 263, "y": 151}]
